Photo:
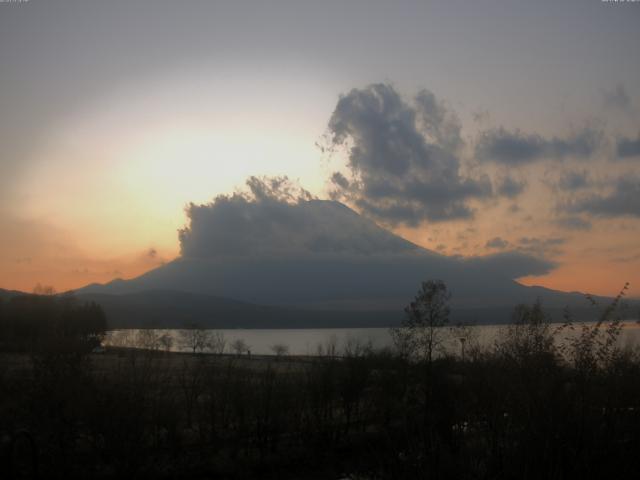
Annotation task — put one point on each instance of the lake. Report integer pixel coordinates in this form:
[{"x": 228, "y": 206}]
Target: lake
[{"x": 313, "y": 340}]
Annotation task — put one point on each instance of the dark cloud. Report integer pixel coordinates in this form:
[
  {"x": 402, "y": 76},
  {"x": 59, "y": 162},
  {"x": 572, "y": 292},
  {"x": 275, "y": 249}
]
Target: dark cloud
[
  {"x": 512, "y": 264},
  {"x": 511, "y": 188},
  {"x": 437, "y": 121},
  {"x": 518, "y": 148},
  {"x": 573, "y": 222},
  {"x": 624, "y": 199},
  {"x": 573, "y": 180},
  {"x": 628, "y": 147},
  {"x": 402, "y": 157},
  {"x": 540, "y": 241},
  {"x": 497, "y": 242},
  {"x": 340, "y": 180}
]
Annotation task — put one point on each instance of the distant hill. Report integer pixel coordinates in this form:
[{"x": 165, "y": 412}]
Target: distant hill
[
  {"x": 7, "y": 294},
  {"x": 176, "y": 309}
]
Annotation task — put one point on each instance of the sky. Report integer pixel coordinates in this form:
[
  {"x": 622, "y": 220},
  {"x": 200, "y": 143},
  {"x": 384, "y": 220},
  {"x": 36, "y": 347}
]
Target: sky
[{"x": 469, "y": 128}]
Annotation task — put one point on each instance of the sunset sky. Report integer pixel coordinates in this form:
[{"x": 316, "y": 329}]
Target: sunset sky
[{"x": 468, "y": 128}]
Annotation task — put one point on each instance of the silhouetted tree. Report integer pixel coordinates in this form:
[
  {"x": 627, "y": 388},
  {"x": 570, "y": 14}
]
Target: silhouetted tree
[
  {"x": 239, "y": 346},
  {"x": 279, "y": 349},
  {"x": 528, "y": 335},
  {"x": 217, "y": 342},
  {"x": 195, "y": 338},
  {"x": 148, "y": 339},
  {"x": 595, "y": 347},
  {"x": 40, "y": 289},
  {"x": 166, "y": 341},
  {"x": 421, "y": 331},
  {"x": 48, "y": 322}
]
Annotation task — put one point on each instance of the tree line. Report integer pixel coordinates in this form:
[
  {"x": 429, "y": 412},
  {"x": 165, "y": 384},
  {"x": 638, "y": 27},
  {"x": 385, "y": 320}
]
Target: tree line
[{"x": 41, "y": 322}]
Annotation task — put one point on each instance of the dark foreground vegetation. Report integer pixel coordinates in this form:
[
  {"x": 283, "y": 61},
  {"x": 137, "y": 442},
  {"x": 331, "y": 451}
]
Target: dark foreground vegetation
[{"x": 527, "y": 408}]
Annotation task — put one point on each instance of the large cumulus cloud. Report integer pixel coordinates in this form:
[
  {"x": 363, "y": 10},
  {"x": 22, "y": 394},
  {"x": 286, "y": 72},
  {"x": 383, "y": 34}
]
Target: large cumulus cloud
[
  {"x": 276, "y": 217},
  {"x": 402, "y": 157}
]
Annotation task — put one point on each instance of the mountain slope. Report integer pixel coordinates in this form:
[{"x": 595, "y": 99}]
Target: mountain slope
[{"x": 319, "y": 256}]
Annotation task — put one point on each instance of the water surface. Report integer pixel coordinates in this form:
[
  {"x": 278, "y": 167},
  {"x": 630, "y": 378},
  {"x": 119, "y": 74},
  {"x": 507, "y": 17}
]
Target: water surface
[{"x": 312, "y": 341}]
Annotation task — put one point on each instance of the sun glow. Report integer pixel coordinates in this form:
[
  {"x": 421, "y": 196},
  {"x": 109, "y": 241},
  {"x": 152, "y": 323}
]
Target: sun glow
[
  {"x": 119, "y": 175},
  {"x": 172, "y": 168}
]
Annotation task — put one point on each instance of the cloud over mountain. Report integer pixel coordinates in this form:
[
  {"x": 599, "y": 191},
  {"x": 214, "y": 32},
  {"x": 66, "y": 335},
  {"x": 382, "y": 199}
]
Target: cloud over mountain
[
  {"x": 275, "y": 217},
  {"x": 275, "y": 245},
  {"x": 281, "y": 245}
]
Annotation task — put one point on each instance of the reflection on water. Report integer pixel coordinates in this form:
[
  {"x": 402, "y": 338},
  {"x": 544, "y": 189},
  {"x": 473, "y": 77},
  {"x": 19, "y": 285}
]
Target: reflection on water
[{"x": 331, "y": 340}]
